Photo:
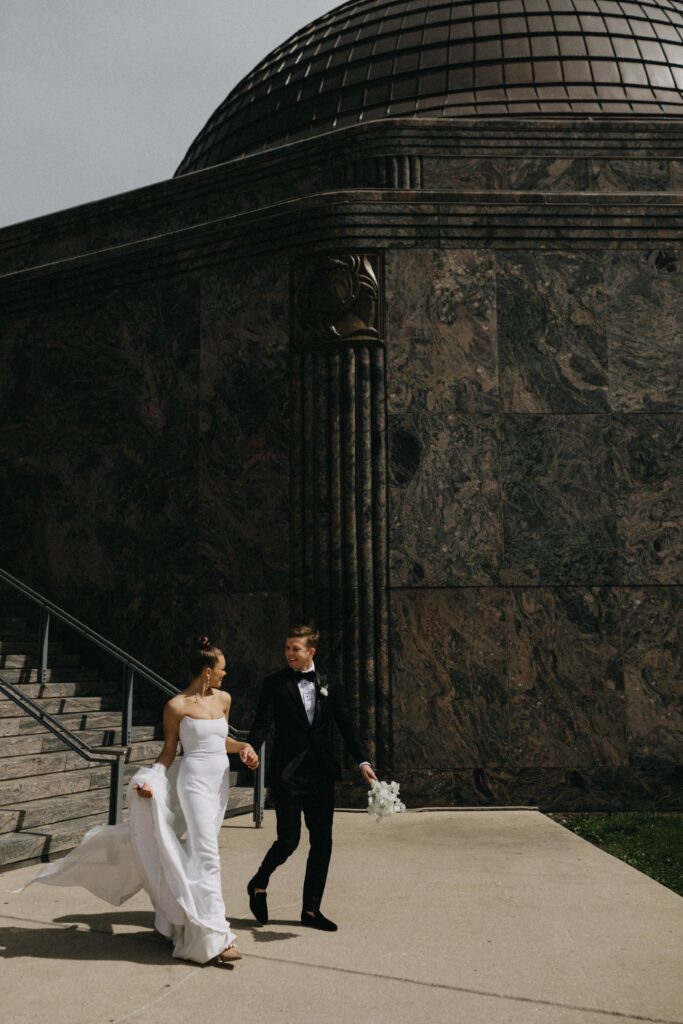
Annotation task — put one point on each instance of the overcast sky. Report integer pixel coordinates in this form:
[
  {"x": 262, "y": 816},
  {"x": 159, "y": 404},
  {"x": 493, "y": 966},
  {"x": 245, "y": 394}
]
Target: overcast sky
[{"x": 101, "y": 96}]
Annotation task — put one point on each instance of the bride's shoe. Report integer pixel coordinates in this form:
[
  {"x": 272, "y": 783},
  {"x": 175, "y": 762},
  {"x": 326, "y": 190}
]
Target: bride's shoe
[{"x": 229, "y": 955}]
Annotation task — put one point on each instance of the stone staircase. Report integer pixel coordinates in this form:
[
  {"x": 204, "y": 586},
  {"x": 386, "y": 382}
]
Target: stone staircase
[{"x": 49, "y": 796}]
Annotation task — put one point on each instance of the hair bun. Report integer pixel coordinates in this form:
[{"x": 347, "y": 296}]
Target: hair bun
[{"x": 202, "y": 642}]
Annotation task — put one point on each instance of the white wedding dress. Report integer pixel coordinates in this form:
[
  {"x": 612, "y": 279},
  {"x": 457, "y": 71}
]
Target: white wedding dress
[{"x": 181, "y": 876}]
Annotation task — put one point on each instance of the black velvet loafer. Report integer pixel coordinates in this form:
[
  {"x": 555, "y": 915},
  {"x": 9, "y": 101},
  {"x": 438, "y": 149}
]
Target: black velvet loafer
[
  {"x": 317, "y": 920},
  {"x": 258, "y": 904}
]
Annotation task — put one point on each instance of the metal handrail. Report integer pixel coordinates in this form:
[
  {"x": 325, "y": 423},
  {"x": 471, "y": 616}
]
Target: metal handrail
[
  {"x": 98, "y": 755},
  {"x": 111, "y": 755},
  {"x": 131, "y": 668},
  {"x": 89, "y": 634}
]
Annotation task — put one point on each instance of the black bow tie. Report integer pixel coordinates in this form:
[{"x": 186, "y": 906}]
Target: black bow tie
[{"x": 305, "y": 675}]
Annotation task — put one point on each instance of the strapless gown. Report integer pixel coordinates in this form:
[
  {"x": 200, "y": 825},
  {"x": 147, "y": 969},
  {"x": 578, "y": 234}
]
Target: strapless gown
[{"x": 182, "y": 876}]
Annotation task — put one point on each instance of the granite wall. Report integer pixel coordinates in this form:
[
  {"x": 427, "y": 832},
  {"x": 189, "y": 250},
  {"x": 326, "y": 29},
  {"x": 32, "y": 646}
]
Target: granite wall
[
  {"x": 144, "y": 470},
  {"x": 536, "y": 548},
  {"x": 535, "y": 424}
]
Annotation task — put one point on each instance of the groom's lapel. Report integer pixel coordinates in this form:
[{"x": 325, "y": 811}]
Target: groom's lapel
[
  {"x": 295, "y": 692},
  {"x": 320, "y": 680}
]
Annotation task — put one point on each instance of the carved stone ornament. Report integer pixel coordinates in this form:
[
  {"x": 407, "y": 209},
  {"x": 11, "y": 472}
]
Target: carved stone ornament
[{"x": 337, "y": 300}]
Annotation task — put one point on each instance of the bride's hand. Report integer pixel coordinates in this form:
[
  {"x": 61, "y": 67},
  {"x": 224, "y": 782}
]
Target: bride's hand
[
  {"x": 249, "y": 756},
  {"x": 144, "y": 791}
]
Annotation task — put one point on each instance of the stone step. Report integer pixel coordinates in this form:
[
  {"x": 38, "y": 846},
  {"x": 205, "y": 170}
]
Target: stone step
[
  {"x": 30, "y": 765},
  {"x": 44, "y": 742},
  {"x": 25, "y": 816},
  {"x": 18, "y": 848},
  {"x": 50, "y": 839},
  {"x": 68, "y": 673},
  {"x": 30, "y": 814},
  {"x": 92, "y": 688},
  {"x": 20, "y": 725},
  {"x": 30, "y": 660},
  {"x": 25, "y": 644},
  {"x": 47, "y": 839},
  {"x": 81, "y": 780},
  {"x": 241, "y": 800},
  {"x": 62, "y": 705},
  {"x": 15, "y": 791}
]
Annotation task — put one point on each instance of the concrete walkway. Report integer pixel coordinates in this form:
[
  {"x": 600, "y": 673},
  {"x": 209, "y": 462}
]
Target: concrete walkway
[{"x": 498, "y": 917}]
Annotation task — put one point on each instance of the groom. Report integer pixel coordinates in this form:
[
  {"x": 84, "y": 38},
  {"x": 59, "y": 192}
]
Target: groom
[{"x": 303, "y": 704}]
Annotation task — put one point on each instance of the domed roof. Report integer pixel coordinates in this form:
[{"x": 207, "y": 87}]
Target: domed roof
[{"x": 372, "y": 59}]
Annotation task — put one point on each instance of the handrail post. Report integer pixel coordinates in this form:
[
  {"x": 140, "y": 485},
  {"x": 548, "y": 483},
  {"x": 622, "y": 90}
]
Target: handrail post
[
  {"x": 127, "y": 709},
  {"x": 116, "y": 792},
  {"x": 44, "y": 643},
  {"x": 260, "y": 787},
  {"x": 117, "y": 770}
]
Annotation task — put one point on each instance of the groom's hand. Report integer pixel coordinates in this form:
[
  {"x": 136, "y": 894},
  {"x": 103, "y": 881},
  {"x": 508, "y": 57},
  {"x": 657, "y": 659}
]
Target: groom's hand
[
  {"x": 144, "y": 791},
  {"x": 367, "y": 774},
  {"x": 249, "y": 756}
]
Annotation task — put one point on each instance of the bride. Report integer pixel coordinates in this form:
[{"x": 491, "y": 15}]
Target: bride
[{"x": 181, "y": 877}]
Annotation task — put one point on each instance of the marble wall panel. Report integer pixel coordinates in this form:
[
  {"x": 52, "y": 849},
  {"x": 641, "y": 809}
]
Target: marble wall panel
[
  {"x": 23, "y": 441},
  {"x": 677, "y": 175},
  {"x": 656, "y": 788},
  {"x": 449, "y": 681},
  {"x": 548, "y": 174},
  {"x": 551, "y": 332},
  {"x": 567, "y": 706},
  {"x": 652, "y": 626},
  {"x": 251, "y": 630},
  {"x": 420, "y": 788},
  {"x": 441, "y": 331},
  {"x": 445, "y": 504},
  {"x": 551, "y": 789},
  {"x": 156, "y": 626},
  {"x": 21, "y": 521},
  {"x": 244, "y": 432},
  {"x": 464, "y": 174},
  {"x": 442, "y": 375},
  {"x": 119, "y": 485},
  {"x": 558, "y": 490},
  {"x": 615, "y": 175},
  {"x": 649, "y": 489},
  {"x": 644, "y": 331}
]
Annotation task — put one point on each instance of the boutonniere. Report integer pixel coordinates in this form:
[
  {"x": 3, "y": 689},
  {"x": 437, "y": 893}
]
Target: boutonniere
[{"x": 322, "y": 688}]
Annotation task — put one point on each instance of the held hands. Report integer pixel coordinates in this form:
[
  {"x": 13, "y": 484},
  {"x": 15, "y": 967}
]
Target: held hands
[
  {"x": 144, "y": 791},
  {"x": 249, "y": 756},
  {"x": 367, "y": 774}
]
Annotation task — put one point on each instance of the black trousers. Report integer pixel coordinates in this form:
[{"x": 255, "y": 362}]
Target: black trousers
[{"x": 312, "y": 793}]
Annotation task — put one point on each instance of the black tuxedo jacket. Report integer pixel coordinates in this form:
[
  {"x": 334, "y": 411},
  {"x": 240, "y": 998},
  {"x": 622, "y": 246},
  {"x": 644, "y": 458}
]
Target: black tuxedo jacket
[{"x": 280, "y": 704}]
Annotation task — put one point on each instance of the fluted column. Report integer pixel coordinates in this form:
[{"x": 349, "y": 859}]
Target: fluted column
[{"x": 339, "y": 481}]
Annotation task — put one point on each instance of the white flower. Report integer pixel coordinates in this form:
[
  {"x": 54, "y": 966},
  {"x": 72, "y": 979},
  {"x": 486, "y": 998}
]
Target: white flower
[
  {"x": 383, "y": 800},
  {"x": 323, "y": 691}
]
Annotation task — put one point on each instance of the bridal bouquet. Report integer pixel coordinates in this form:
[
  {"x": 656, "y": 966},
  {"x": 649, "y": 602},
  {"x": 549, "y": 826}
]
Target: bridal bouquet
[{"x": 383, "y": 800}]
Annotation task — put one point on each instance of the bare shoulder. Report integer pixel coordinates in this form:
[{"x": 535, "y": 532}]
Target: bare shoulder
[
  {"x": 175, "y": 707},
  {"x": 225, "y": 698}
]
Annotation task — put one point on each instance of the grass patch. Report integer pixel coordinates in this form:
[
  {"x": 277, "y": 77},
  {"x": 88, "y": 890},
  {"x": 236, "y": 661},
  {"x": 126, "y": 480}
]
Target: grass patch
[{"x": 652, "y": 843}]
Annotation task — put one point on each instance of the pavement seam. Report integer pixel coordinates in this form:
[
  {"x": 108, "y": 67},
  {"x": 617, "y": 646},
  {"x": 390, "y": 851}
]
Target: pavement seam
[
  {"x": 159, "y": 999},
  {"x": 616, "y": 1014}
]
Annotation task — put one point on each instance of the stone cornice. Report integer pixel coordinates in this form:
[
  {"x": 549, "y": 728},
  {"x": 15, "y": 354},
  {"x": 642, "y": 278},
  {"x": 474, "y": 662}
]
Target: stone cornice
[
  {"x": 370, "y": 220},
  {"x": 308, "y": 167}
]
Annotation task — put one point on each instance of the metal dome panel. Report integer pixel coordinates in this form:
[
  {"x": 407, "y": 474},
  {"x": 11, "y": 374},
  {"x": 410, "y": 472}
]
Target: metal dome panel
[{"x": 373, "y": 59}]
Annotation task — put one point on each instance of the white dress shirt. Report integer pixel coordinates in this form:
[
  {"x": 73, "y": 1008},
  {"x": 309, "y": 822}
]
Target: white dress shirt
[
  {"x": 307, "y": 691},
  {"x": 308, "y": 696}
]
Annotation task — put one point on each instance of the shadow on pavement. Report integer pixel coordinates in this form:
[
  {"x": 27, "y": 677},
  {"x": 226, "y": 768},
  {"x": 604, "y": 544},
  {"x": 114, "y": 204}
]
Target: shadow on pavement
[{"x": 142, "y": 947}]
